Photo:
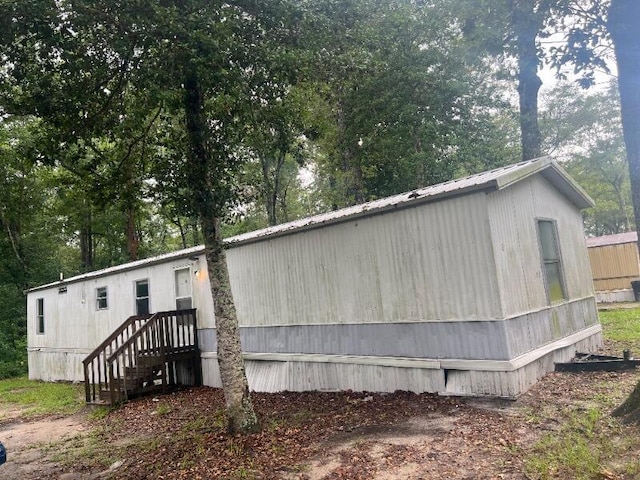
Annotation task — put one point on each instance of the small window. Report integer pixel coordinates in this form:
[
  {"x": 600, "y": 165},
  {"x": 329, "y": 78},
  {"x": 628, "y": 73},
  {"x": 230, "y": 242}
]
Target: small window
[
  {"x": 40, "y": 315},
  {"x": 548, "y": 238},
  {"x": 142, "y": 297},
  {"x": 102, "y": 302}
]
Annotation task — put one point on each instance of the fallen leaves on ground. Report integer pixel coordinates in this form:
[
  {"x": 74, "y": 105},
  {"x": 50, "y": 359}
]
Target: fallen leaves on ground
[{"x": 344, "y": 435}]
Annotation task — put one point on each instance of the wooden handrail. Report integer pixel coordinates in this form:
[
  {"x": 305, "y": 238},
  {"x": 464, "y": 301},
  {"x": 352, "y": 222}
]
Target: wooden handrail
[
  {"x": 109, "y": 367},
  {"x": 118, "y": 331},
  {"x": 133, "y": 337},
  {"x": 97, "y": 376}
]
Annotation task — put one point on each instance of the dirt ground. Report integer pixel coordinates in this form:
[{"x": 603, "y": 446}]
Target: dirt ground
[
  {"x": 316, "y": 436},
  {"x": 25, "y": 441}
]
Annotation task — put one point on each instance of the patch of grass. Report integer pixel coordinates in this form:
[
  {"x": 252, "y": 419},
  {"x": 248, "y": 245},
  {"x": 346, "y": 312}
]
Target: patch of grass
[
  {"x": 40, "y": 398},
  {"x": 589, "y": 443},
  {"x": 98, "y": 413},
  {"x": 163, "y": 409},
  {"x": 85, "y": 449},
  {"x": 197, "y": 424},
  {"x": 272, "y": 424},
  {"x": 300, "y": 416},
  {"x": 242, "y": 473},
  {"x": 579, "y": 450},
  {"x": 233, "y": 449},
  {"x": 621, "y": 325}
]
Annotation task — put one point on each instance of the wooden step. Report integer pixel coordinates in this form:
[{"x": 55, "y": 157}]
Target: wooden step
[
  {"x": 141, "y": 371},
  {"x": 149, "y": 360}
]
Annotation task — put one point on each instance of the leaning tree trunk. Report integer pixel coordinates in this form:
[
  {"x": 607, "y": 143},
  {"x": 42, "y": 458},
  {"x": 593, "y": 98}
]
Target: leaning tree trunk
[
  {"x": 525, "y": 24},
  {"x": 241, "y": 417},
  {"x": 240, "y": 414},
  {"x": 623, "y": 27}
]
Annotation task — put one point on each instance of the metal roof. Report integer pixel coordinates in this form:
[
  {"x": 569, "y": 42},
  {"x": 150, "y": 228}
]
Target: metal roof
[
  {"x": 185, "y": 253},
  {"x": 615, "y": 239},
  {"x": 497, "y": 179}
]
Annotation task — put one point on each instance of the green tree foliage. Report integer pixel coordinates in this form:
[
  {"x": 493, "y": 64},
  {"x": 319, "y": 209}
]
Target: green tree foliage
[
  {"x": 584, "y": 129},
  {"x": 30, "y": 249},
  {"x": 397, "y": 97},
  {"x": 203, "y": 63}
]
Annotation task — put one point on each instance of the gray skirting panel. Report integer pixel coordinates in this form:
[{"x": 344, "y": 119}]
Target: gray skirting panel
[{"x": 475, "y": 340}]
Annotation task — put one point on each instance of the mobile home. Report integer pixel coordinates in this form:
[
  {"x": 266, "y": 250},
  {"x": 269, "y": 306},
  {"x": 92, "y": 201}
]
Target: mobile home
[{"x": 470, "y": 287}]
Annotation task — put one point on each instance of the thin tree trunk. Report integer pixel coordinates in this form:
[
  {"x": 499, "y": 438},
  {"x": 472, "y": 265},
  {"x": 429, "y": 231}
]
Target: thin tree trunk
[
  {"x": 183, "y": 237},
  {"x": 351, "y": 169},
  {"x": 270, "y": 192},
  {"x": 526, "y": 24},
  {"x": 86, "y": 239},
  {"x": 133, "y": 241},
  {"x": 13, "y": 235},
  {"x": 241, "y": 417}
]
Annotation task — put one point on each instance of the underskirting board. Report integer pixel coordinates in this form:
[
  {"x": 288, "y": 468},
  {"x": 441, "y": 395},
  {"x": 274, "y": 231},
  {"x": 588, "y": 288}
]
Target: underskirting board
[{"x": 508, "y": 379}]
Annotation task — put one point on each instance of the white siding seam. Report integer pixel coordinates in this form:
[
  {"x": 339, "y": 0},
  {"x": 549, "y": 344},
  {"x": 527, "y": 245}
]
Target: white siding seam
[
  {"x": 403, "y": 362},
  {"x": 450, "y": 320},
  {"x": 85, "y": 351}
]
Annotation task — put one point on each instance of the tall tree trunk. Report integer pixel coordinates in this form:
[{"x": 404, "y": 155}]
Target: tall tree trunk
[
  {"x": 241, "y": 417},
  {"x": 133, "y": 241},
  {"x": 86, "y": 238},
  {"x": 526, "y": 24},
  {"x": 623, "y": 26},
  {"x": 270, "y": 191},
  {"x": 351, "y": 169},
  {"x": 183, "y": 236}
]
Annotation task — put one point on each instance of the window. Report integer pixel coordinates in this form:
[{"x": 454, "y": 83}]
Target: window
[
  {"x": 183, "y": 289},
  {"x": 548, "y": 238},
  {"x": 101, "y": 298},
  {"x": 40, "y": 315},
  {"x": 142, "y": 297}
]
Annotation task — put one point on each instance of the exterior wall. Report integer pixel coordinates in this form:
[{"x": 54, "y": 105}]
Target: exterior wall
[
  {"x": 513, "y": 213},
  {"x": 478, "y": 340},
  {"x": 614, "y": 266},
  {"x": 74, "y": 326},
  {"x": 533, "y": 355},
  {"x": 432, "y": 262}
]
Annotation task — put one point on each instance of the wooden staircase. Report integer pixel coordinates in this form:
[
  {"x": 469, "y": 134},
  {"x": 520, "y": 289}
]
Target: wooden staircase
[{"x": 146, "y": 354}]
